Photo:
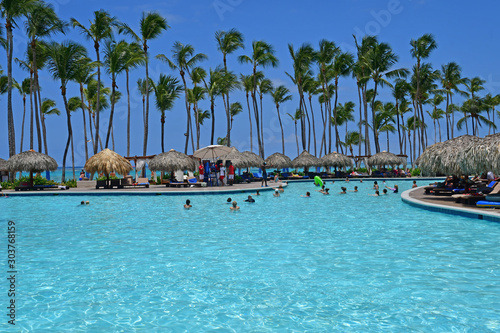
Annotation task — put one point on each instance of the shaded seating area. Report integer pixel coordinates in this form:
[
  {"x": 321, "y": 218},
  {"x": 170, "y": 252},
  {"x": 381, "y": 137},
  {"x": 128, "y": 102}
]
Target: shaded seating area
[{"x": 24, "y": 186}]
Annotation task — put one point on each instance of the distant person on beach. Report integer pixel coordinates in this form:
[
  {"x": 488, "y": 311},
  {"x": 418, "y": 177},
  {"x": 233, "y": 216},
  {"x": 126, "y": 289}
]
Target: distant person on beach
[
  {"x": 230, "y": 174},
  {"x": 250, "y": 199},
  {"x": 264, "y": 175},
  {"x": 234, "y": 206},
  {"x": 201, "y": 172},
  {"x": 188, "y": 204}
]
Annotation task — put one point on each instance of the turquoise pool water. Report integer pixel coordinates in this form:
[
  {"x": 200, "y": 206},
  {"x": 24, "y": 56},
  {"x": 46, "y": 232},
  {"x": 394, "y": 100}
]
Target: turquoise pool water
[{"x": 346, "y": 263}]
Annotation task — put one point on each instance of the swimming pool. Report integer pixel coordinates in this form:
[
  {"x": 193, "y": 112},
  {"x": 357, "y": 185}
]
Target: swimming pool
[{"x": 348, "y": 262}]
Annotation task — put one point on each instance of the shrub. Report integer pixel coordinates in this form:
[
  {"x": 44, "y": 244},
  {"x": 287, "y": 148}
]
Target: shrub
[{"x": 415, "y": 172}]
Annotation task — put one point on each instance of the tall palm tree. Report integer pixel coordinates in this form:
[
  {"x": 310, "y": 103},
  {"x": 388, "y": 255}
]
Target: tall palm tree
[
  {"x": 451, "y": 78},
  {"x": 264, "y": 87},
  {"x": 83, "y": 75},
  {"x": 295, "y": 117},
  {"x": 63, "y": 63},
  {"x": 490, "y": 103},
  {"x": 213, "y": 88},
  {"x": 48, "y": 108},
  {"x": 399, "y": 92},
  {"x": 115, "y": 58},
  {"x": 262, "y": 56},
  {"x": 166, "y": 90},
  {"x": 379, "y": 61},
  {"x": 90, "y": 94},
  {"x": 183, "y": 59},
  {"x": 247, "y": 84},
  {"x": 352, "y": 139},
  {"x": 11, "y": 10},
  {"x": 280, "y": 95},
  {"x": 134, "y": 57},
  {"x": 344, "y": 114},
  {"x": 227, "y": 43},
  {"x": 101, "y": 28},
  {"x": 302, "y": 59},
  {"x": 341, "y": 67},
  {"x": 194, "y": 96},
  {"x": 236, "y": 108},
  {"x": 41, "y": 21},
  {"x": 25, "y": 89},
  {"x": 228, "y": 83},
  {"x": 152, "y": 25},
  {"x": 473, "y": 86},
  {"x": 385, "y": 119},
  {"x": 144, "y": 89}
]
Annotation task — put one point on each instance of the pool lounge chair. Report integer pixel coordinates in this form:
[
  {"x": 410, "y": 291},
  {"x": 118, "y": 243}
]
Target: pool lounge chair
[
  {"x": 194, "y": 182},
  {"x": 140, "y": 182}
]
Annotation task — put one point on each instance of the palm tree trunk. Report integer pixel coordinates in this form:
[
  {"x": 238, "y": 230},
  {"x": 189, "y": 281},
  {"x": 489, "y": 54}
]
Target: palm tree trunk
[
  {"x": 70, "y": 131},
  {"x": 375, "y": 131},
  {"x": 38, "y": 107},
  {"x": 323, "y": 138},
  {"x": 296, "y": 138},
  {"x": 335, "y": 113},
  {"x": 32, "y": 121},
  {"x": 314, "y": 127},
  {"x": 250, "y": 123},
  {"x": 261, "y": 124},
  {"x": 308, "y": 126},
  {"x": 399, "y": 128},
  {"x": 187, "y": 111},
  {"x": 439, "y": 124},
  {"x": 360, "y": 119},
  {"x": 128, "y": 115},
  {"x": 10, "y": 114},
  {"x": 44, "y": 134},
  {"x": 281, "y": 127},
  {"x": 212, "y": 111},
  {"x": 84, "y": 124},
  {"x": 113, "y": 91},
  {"x": 368, "y": 150},
  {"x": 452, "y": 118},
  {"x": 98, "y": 103},
  {"x": 447, "y": 116},
  {"x": 162, "y": 120},
  {"x": 22, "y": 125}
]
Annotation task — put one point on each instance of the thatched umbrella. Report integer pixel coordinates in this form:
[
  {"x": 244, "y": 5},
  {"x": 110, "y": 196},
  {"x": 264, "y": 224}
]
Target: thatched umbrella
[
  {"x": 305, "y": 160},
  {"x": 106, "y": 162},
  {"x": 279, "y": 161},
  {"x": 336, "y": 160},
  {"x": 482, "y": 156},
  {"x": 172, "y": 161},
  {"x": 31, "y": 161},
  {"x": 445, "y": 157},
  {"x": 385, "y": 158},
  {"x": 239, "y": 160},
  {"x": 254, "y": 160},
  {"x": 3, "y": 165}
]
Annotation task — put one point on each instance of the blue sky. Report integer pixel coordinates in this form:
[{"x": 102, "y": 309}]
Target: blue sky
[{"x": 466, "y": 32}]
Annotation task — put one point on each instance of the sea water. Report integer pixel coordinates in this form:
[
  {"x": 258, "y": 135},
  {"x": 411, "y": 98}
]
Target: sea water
[{"x": 340, "y": 262}]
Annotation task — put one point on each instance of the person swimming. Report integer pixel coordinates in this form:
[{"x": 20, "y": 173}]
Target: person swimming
[
  {"x": 188, "y": 204},
  {"x": 276, "y": 193},
  {"x": 250, "y": 199},
  {"x": 229, "y": 200},
  {"x": 308, "y": 195},
  {"x": 234, "y": 206},
  {"x": 344, "y": 190}
]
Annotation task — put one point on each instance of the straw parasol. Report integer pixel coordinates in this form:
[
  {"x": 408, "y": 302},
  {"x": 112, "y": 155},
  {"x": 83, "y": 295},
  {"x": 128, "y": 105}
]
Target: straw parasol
[
  {"x": 239, "y": 160},
  {"x": 3, "y": 165},
  {"x": 279, "y": 161},
  {"x": 172, "y": 161},
  {"x": 106, "y": 162},
  {"x": 482, "y": 156},
  {"x": 305, "y": 160},
  {"x": 253, "y": 159},
  {"x": 31, "y": 161},
  {"x": 212, "y": 152},
  {"x": 445, "y": 157},
  {"x": 336, "y": 160},
  {"x": 385, "y": 158}
]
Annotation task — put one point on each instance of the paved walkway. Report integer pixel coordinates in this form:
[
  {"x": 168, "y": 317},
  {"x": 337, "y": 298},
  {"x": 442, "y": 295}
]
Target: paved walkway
[{"x": 447, "y": 204}]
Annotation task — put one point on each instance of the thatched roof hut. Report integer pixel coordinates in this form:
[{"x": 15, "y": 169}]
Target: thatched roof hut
[
  {"x": 385, "y": 158},
  {"x": 445, "y": 158},
  {"x": 482, "y": 157},
  {"x": 335, "y": 159},
  {"x": 253, "y": 159},
  {"x": 279, "y": 161},
  {"x": 239, "y": 160},
  {"x": 305, "y": 160},
  {"x": 3, "y": 165},
  {"x": 31, "y": 161},
  {"x": 172, "y": 161},
  {"x": 106, "y": 162}
]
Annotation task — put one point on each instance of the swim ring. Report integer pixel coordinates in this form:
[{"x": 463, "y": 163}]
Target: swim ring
[{"x": 318, "y": 181}]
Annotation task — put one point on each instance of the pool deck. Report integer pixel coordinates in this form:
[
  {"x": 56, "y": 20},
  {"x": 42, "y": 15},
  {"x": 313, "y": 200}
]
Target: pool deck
[
  {"x": 88, "y": 188},
  {"x": 446, "y": 204}
]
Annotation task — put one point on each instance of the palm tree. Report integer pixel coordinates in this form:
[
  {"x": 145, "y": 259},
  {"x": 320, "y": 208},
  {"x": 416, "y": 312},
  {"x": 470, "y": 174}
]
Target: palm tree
[
  {"x": 83, "y": 75},
  {"x": 227, "y": 43},
  {"x": 151, "y": 26},
  {"x": 352, "y": 138},
  {"x": 491, "y": 102},
  {"x": 473, "y": 86},
  {"x": 48, "y": 108},
  {"x": 213, "y": 88},
  {"x": 280, "y": 95},
  {"x": 115, "y": 57},
  {"x": 228, "y": 82},
  {"x": 436, "y": 113},
  {"x": 341, "y": 67},
  {"x": 302, "y": 61},
  {"x": 451, "y": 77},
  {"x": 385, "y": 119},
  {"x": 236, "y": 108},
  {"x": 90, "y": 94},
  {"x": 63, "y": 63},
  {"x": 399, "y": 92},
  {"x": 194, "y": 96},
  {"x": 145, "y": 89},
  {"x": 296, "y": 116},
  {"x": 25, "y": 88},
  {"x": 134, "y": 57},
  {"x": 264, "y": 86},
  {"x": 247, "y": 84},
  {"x": 166, "y": 90},
  {"x": 183, "y": 59},
  {"x": 41, "y": 21},
  {"x": 379, "y": 60},
  {"x": 344, "y": 114},
  {"x": 311, "y": 87},
  {"x": 11, "y": 10},
  {"x": 101, "y": 28},
  {"x": 262, "y": 55}
]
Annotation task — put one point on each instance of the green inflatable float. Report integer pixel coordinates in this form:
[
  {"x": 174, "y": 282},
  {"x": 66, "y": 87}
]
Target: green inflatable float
[{"x": 318, "y": 181}]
